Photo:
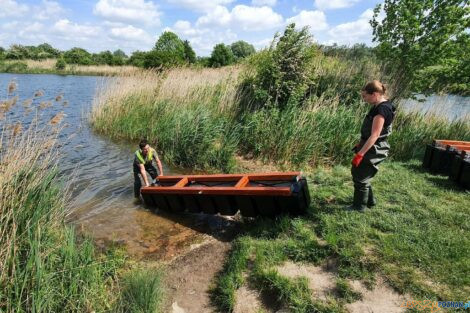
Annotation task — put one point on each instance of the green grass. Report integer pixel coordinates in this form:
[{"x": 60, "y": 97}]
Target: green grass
[
  {"x": 142, "y": 291},
  {"x": 417, "y": 237}
]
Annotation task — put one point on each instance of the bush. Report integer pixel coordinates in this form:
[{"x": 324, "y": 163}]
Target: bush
[
  {"x": 283, "y": 72},
  {"x": 60, "y": 64}
]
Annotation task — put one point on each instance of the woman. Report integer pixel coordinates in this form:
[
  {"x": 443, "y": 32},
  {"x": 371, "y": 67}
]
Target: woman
[{"x": 373, "y": 146}]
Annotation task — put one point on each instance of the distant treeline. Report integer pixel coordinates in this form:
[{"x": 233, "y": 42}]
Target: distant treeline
[{"x": 169, "y": 51}]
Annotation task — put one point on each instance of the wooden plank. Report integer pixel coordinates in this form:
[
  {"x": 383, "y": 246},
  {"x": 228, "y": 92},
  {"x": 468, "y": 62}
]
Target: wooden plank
[
  {"x": 254, "y": 191},
  {"x": 451, "y": 142},
  {"x": 232, "y": 177},
  {"x": 242, "y": 182},
  {"x": 183, "y": 182}
]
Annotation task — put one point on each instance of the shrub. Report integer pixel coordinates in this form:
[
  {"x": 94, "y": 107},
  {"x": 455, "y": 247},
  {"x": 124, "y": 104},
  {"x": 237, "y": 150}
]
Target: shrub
[{"x": 60, "y": 64}]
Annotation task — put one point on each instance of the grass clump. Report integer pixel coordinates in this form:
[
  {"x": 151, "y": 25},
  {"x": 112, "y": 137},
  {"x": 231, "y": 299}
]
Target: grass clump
[
  {"x": 345, "y": 292},
  {"x": 142, "y": 291}
]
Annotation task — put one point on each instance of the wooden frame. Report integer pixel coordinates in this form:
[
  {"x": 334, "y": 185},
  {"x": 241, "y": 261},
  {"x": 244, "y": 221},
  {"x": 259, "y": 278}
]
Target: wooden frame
[{"x": 182, "y": 184}]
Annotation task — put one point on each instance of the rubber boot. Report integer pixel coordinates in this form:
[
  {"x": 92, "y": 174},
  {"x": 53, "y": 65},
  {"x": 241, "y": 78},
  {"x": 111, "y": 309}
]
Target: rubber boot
[
  {"x": 371, "y": 200},
  {"x": 359, "y": 200}
]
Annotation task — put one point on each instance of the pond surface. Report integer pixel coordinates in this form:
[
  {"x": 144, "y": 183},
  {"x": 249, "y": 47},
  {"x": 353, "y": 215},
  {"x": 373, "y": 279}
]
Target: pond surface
[
  {"x": 102, "y": 200},
  {"x": 451, "y": 106}
]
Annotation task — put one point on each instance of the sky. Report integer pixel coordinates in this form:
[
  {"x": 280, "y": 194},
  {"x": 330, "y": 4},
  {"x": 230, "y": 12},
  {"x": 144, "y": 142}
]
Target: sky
[{"x": 131, "y": 25}]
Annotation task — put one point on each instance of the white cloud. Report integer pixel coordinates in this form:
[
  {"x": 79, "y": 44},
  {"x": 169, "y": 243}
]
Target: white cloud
[
  {"x": 48, "y": 10},
  {"x": 12, "y": 8},
  {"x": 185, "y": 30},
  {"x": 200, "y": 5},
  {"x": 242, "y": 17},
  {"x": 131, "y": 33},
  {"x": 264, "y": 43},
  {"x": 67, "y": 29},
  {"x": 334, "y": 4},
  {"x": 353, "y": 32},
  {"x": 128, "y": 11},
  {"x": 260, "y": 3},
  {"x": 316, "y": 20}
]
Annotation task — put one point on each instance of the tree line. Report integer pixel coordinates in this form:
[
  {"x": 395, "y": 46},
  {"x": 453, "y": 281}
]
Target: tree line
[{"x": 169, "y": 51}]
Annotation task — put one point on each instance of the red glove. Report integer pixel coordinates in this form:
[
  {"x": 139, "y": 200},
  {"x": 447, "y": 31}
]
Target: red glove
[{"x": 357, "y": 159}]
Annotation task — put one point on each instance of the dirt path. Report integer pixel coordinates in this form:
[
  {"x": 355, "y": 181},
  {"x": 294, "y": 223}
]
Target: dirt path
[{"x": 190, "y": 276}]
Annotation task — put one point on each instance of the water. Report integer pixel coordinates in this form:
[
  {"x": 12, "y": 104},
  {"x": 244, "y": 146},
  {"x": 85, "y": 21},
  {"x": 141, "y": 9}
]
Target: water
[
  {"x": 451, "y": 106},
  {"x": 102, "y": 182}
]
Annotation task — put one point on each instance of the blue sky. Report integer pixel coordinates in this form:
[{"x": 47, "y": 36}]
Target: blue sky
[{"x": 98, "y": 25}]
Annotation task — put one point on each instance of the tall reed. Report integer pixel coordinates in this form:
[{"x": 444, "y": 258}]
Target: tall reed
[
  {"x": 44, "y": 265},
  {"x": 186, "y": 113},
  {"x": 201, "y": 118}
]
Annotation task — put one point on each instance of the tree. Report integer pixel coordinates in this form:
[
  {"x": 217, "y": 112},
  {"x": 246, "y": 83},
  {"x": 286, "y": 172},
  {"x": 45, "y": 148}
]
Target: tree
[
  {"x": 242, "y": 49},
  {"x": 120, "y": 54},
  {"x": 137, "y": 58},
  {"x": 47, "y": 51},
  {"x": 2, "y": 53},
  {"x": 189, "y": 54},
  {"x": 168, "y": 52},
  {"x": 78, "y": 56},
  {"x": 170, "y": 42},
  {"x": 221, "y": 56},
  {"x": 418, "y": 34}
]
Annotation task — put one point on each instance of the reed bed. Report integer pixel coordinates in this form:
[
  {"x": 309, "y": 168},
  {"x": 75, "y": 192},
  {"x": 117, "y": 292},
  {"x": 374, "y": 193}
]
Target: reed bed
[
  {"x": 44, "y": 265},
  {"x": 195, "y": 116},
  {"x": 186, "y": 113},
  {"x": 48, "y": 66}
]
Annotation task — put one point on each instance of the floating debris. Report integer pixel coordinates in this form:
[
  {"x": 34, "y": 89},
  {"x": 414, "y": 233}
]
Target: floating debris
[
  {"x": 59, "y": 97},
  {"x": 12, "y": 87},
  {"x": 65, "y": 103},
  {"x": 39, "y": 93},
  {"x": 57, "y": 118}
]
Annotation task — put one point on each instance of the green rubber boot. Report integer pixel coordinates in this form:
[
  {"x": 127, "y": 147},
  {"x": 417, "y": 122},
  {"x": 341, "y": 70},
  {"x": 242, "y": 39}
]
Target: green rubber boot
[
  {"x": 371, "y": 200},
  {"x": 359, "y": 200}
]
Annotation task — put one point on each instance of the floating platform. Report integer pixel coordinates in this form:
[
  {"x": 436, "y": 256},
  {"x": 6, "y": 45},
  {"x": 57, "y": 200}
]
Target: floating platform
[
  {"x": 449, "y": 157},
  {"x": 264, "y": 194}
]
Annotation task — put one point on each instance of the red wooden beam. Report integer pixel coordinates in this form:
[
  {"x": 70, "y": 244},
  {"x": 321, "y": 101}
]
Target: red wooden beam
[
  {"x": 451, "y": 142},
  {"x": 242, "y": 182},
  {"x": 183, "y": 182},
  {"x": 231, "y": 177}
]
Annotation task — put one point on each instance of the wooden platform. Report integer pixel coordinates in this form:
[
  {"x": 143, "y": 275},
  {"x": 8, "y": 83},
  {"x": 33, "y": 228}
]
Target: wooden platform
[{"x": 263, "y": 194}]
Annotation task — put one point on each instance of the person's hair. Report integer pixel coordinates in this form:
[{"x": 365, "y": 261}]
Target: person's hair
[
  {"x": 374, "y": 86},
  {"x": 143, "y": 143}
]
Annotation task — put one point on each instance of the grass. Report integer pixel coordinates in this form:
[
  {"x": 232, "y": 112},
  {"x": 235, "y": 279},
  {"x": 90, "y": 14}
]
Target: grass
[
  {"x": 417, "y": 237},
  {"x": 142, "y": 291},
  {"x": 45, "y": 266},
  {"x": 48, "y": 67}
]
